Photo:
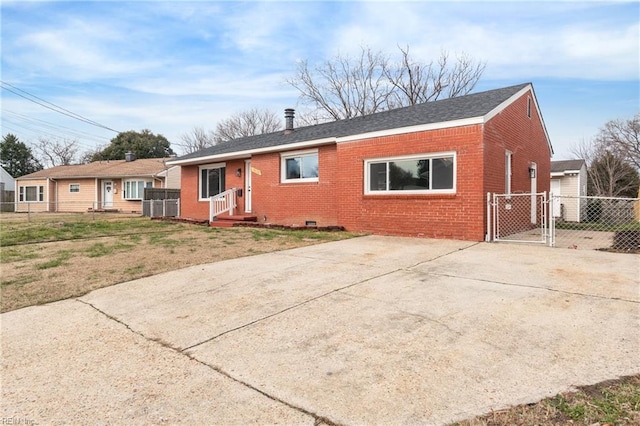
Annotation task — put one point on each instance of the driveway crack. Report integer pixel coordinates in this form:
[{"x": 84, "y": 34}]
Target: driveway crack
[
  {"x": 318, "y": 419},
  {"x": 555, "y": 290}
]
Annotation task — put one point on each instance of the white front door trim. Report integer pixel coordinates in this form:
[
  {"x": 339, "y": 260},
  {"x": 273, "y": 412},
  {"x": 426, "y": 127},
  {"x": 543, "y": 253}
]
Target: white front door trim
[
  {"x": 247, "y": 186},
  {"x": 107, "y": 194}
]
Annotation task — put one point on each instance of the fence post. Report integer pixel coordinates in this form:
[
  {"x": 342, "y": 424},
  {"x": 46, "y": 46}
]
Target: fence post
[
  {"x": 178, "y": 207},
  {"x": 164, "y": 207},
  {"x": 28, "y": 212},
  {"x": 487, "y": 236}
]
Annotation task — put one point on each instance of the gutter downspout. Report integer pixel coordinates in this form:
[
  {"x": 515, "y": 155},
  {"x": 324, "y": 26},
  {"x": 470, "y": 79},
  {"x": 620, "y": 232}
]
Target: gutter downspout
[{"x": 56, "y": 195}]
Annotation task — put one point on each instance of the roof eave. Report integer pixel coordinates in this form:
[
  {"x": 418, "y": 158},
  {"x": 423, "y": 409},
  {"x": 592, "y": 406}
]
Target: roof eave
[{"x": 234, "y": 155}]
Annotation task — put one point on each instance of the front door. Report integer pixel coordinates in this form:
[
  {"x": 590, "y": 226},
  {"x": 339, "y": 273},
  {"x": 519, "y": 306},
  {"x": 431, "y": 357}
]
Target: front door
[
  {"x": 247, "y": 186},
  {"x": 107, "y": 194}
]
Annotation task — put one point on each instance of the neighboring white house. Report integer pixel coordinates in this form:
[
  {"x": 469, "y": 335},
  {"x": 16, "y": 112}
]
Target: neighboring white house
[
  {"x": 7, "y": 182},
  {"x": 172, "y": 177},
  {"x": 569, "y": 183}
]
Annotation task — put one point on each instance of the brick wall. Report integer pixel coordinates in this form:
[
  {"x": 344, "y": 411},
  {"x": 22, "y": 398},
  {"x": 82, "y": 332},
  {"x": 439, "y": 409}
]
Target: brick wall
[
  {"x": 191, "y": 206},
  {"x": 524, "y": 136},
  {"x": 456, "y": 215},
  {"x": 295, "y": 203}
]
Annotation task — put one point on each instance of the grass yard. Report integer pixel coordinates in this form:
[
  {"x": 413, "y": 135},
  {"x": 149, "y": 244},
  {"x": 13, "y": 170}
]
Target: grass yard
[{"x": 52, "y": 257}]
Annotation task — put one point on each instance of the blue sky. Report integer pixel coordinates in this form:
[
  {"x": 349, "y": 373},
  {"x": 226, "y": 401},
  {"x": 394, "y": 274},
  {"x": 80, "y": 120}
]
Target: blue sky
[{"x": 169, "y": 66}]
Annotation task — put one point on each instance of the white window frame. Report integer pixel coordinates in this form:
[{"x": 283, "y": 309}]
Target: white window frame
[
  {"x": 22, "y": 194},
  {"x": 208, "y": 167},
  {"x": 508, "y": 171},
  {"x": 72, "y": 186},
  {"x": 297, "y": 154},
  {"x": 424, "y": 156},
  {"x": 148, "y": 183}
]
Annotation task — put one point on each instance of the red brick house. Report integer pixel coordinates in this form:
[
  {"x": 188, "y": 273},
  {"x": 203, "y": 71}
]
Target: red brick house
[{"x": 422, "y": 170}]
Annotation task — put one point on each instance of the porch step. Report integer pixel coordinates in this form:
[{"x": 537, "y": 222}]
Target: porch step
[{"x": 229, "y": 221}]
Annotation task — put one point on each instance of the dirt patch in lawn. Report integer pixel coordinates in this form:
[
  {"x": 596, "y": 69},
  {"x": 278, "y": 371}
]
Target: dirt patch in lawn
[{"x": 35, "y": 273}]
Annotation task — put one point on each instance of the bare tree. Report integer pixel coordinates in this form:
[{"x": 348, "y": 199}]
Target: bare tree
[
  {"x": 57, "y": 152},
  {"x": 609, "y": 174},
  {"x": 418, "y": 82},
  {"x": 247, "y": 123},
  {"x": 196, "y": 140},
  {"x": 623, "y": 137},
  {"x": 346, "y": 87}
]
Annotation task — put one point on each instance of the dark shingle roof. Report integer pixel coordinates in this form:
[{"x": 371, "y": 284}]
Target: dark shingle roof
[
  {"x": 561, "y": 166},
  {"x": 474, "y": 105}
]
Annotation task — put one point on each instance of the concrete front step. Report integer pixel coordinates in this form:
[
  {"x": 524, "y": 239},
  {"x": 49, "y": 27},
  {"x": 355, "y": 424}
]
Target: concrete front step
[{"x": 229, "y": 221}]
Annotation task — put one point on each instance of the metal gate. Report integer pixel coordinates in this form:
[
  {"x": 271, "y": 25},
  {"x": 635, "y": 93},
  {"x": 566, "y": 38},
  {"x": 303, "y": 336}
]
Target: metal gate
[{"x": 520, "y": 218}]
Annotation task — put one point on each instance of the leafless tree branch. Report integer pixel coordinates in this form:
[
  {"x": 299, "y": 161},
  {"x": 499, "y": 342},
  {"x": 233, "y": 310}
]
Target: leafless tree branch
[{"x": 57, "y": 152}]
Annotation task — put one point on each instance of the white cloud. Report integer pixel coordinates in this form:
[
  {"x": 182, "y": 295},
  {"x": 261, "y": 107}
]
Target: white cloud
[{"x": 519, "y": 42}]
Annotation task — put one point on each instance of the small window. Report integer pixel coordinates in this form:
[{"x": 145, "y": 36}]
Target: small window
[
  {"x": 529, "y": 107},
  {"x": 31, "y": 193},
  {"x": 300, "y": 167},
  {"x": 211, "y": 180},
  {"x": 507, "y": 172},
  {"x": 74, "y": 187},
  {"x": 134, "y": 189},
  {"x": 420, "y": 174}
]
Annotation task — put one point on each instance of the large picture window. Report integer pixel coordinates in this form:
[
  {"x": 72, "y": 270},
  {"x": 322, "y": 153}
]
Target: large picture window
[
  {"x": 31, "y": 193},
  {"x": 300, "y": 166},
  {"x": 134, "y": 189},
  {"x": 212, "y": 180},
  {"x": 418, "y": 174}
]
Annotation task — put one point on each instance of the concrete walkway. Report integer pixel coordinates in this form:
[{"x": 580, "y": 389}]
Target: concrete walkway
[{"x": 373, "y": 330}]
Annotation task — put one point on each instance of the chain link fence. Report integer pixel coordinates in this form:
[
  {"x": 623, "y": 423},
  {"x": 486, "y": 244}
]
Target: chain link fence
[
  {"x": 39, "y": 211},
  {"x": 596, "y": 223},
  {"x": 518, "y": 217}
]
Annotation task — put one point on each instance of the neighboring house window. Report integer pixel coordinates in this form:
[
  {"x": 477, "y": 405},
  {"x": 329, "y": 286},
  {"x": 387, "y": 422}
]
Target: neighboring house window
[
  {"x": 134, "y": 189},
  {"x": 507, "y": 172},
  {"x": 299, "y": 166},
  {"x": 212, "y": 180},
  {"x": 529, "y": 107},
  {"x": 74, "y": 187},
  {"x": 31, "y": 193},
  {"x": 418, "y": 174}
]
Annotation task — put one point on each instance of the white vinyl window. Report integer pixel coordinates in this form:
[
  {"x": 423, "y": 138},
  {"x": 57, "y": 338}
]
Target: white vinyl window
[
  {"x": 31, "y": 193},
  {"x": 299, "y": 166},
  {"x": 211, "y": 180},
  {"x": 134, "y": 189},
  {"x": 74, "y": 187},
  {"x": 416, "y": 174},
  {"x": 507, "y": 172}
]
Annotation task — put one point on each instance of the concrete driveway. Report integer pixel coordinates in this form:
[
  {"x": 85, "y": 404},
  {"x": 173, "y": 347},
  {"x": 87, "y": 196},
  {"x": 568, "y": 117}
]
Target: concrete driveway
[{"x": 373, "y": 330}]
